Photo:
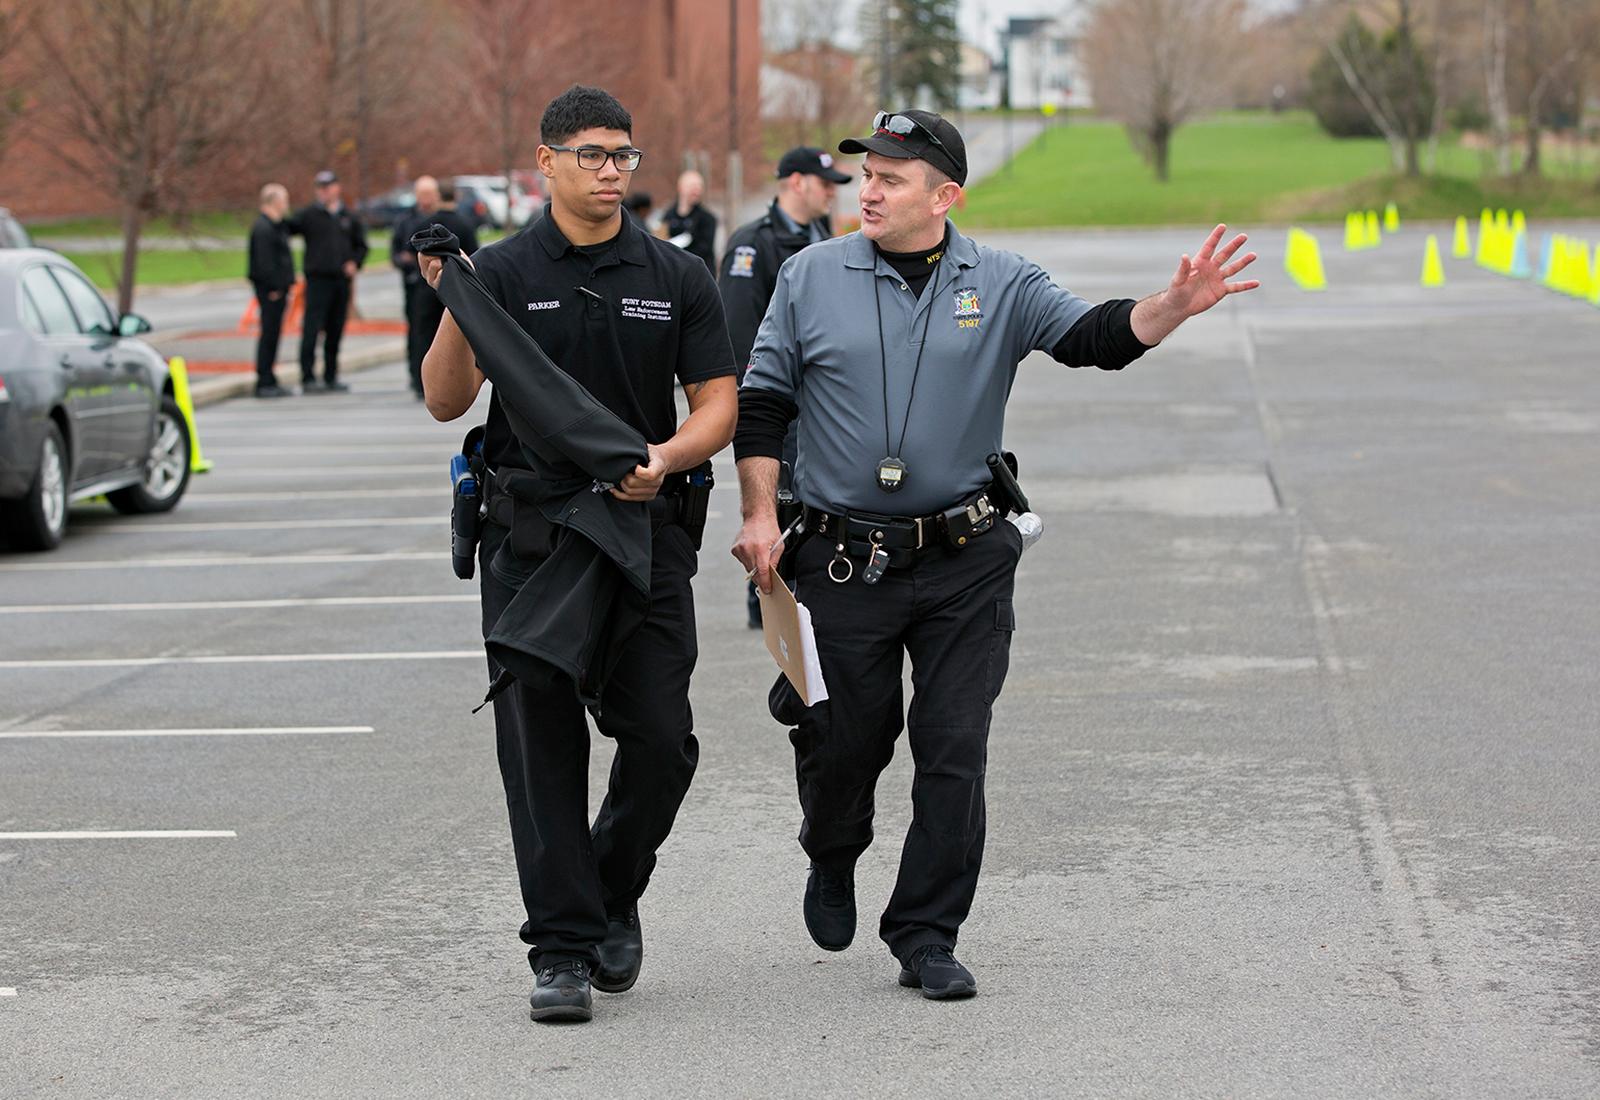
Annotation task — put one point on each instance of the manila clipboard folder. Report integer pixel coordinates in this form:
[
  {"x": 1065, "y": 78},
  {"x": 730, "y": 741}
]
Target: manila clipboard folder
[{"x": 793, "y": 644}]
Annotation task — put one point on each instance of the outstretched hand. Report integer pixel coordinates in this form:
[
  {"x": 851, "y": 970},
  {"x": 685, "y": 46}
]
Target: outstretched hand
[{"x": 1202, "y": 282}]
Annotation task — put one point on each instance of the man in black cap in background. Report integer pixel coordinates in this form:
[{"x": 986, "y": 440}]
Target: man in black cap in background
[
  {"x": 336, "y": 246},
  {"x": 798, "y": 216}
]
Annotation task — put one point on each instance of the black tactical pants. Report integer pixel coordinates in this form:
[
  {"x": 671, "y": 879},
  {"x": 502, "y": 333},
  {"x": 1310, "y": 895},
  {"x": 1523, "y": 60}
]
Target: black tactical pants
[
  {"x": 270, "y": 311},
  {"x": 327, "y": 303},
  {"x": 572, "y": 874},
  {"x": 424, "y": 312},
  {"x": 951, "y": 611}
]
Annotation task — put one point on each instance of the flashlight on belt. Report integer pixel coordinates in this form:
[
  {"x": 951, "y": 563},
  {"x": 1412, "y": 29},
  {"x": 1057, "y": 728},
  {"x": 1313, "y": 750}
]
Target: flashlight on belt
[{"x": 465, "y": 500}]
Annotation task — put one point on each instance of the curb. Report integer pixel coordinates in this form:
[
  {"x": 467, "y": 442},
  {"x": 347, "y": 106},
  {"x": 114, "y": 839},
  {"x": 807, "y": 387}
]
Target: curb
[{"x": 211, "y": 390}]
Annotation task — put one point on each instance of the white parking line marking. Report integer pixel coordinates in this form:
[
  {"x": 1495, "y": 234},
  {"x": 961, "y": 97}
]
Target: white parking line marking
[
  {"x": 213, "y": 732},
  {"x": 126, "y": 834},
  {"x": 7, "y": 991},
  {"x": 245, "y": 659},
  {"x": 236, "y": 605},
  {"x": 335, "y": 469},
  {"x": 439, "y": 520},
  {"x": 327, "y": 558},
  {"x": 268, "y": 496}
]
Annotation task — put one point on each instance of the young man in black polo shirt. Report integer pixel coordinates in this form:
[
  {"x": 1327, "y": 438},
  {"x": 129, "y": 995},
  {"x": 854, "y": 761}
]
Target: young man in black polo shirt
[{"x": 629, "y": 317}]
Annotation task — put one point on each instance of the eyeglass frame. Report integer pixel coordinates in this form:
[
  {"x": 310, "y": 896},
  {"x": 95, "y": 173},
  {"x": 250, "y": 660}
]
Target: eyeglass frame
[
  {"x": 881, "y": 120},
  {"x": 606, "y": 154}
]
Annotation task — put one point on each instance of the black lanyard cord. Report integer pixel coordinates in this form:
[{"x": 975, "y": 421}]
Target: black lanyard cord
[{"x": 883, "y": 358}]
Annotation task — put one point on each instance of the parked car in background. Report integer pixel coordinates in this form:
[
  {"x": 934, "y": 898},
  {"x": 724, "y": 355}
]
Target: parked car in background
[
  {"x": 12, "y": 235},
  {"x": 471, "y": 205},
  {"x": 493, "y": 191},
  {"x": 85, "y": 406},
  {"x": 382, "y": 211}
]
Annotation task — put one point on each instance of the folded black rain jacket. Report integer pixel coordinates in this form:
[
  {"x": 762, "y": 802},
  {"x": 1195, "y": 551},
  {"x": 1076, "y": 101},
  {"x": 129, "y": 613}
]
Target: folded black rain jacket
[{"x": 574, "y": 612}]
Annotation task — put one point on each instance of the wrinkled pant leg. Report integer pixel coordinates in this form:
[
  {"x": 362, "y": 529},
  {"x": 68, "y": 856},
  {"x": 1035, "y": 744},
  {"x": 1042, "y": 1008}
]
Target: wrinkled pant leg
[
  {"x": 645, "y": 710},
  {"x": 338, "y": 309},
  {"x": 271, "y": 313},
  {"x": 542, "y": 740},
  {"x": 415, "y": 348},
  {"x": 842, "y": 745},
  {"x": 960, "y": 645},
  {"x": 318, "y": 299},
  {"x": 430, "y": 312}
]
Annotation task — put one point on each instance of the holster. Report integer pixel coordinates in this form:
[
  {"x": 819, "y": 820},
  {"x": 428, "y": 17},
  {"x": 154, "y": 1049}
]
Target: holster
[{"x": 467, "y": 475}]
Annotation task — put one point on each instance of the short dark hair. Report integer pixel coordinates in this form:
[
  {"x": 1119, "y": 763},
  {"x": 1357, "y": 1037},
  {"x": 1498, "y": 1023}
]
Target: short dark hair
[
  {"x": 447, "y": 190},
  {"x": 582, "y": 108}
]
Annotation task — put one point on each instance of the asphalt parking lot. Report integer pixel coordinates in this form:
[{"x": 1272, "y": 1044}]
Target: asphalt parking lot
[{"x": 1292, "y": 790}]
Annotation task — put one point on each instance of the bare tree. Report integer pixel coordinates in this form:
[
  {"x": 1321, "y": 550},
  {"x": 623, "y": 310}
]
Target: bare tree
[
  {"x": 801, "y": 39},
  {"x": 14, "y": 29},
  {"x": 148, "y": 91},
  {"x": 516, "y": 51},
  {"x": 1155, "y": 64}
]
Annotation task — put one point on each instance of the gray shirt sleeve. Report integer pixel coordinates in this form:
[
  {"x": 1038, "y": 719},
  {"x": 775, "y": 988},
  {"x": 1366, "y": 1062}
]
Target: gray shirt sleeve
[
  {"x": 1045, "y": 311},
  {"x": 776, "y": 359}
]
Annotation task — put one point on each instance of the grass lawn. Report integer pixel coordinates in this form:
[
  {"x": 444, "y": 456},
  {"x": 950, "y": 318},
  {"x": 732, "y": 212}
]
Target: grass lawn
[
  {"x": 163, "y": 268},
  {"x": 1249, "y": 167}
]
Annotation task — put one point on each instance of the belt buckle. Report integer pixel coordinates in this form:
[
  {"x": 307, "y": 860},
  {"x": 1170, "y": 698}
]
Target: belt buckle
[{"x": 921, "y": 533}]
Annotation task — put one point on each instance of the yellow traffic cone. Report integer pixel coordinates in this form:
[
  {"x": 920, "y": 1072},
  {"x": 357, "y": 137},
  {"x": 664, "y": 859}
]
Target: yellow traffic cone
[
  {"x": 1578, "y": 284},
  {"x": 1485, "y": 235},
  {"x": 1302, "y": 259},
  {"x": 1432, "y": 269},
  {"x": 180, "y": 393},
  {"x": 1463, "y": 245},
  {"x": 1391, "y": 218},
  {"x": 1594, "y": 279},
  {"x": 1355, "y": 233},
  {"x": 1519, "y": 223},
  {"x": 1374, "y": 236}
]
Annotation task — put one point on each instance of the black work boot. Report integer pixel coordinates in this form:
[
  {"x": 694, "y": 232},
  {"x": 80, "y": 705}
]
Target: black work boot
[
  {"x": 830, "y": 907},
  {"x": 621, "y": 952},
  {"x": 561, "y": 992},
  {"x": 934, "y": 970}
]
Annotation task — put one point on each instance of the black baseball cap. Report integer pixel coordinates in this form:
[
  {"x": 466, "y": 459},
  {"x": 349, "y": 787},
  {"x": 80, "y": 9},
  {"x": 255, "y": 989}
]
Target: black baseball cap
[
  {"x": 915, "y": 135},
  {"x": 326, "y": 177},
  {"x": 810, "y": 161}
]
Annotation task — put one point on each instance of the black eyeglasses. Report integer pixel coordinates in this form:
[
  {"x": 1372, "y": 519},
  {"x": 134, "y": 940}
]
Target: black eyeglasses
[
  {"x": 901, "y": 125},
  {"x": 594, "y": 158}
]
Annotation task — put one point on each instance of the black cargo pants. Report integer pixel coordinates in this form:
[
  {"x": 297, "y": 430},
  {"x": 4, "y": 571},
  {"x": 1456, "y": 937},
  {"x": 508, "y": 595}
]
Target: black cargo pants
[
  {"x": 573, "y": 873},
  {"x": 951, "y": 611}
]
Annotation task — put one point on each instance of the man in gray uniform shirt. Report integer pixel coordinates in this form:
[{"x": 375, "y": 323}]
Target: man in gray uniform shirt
[{"x": 896, "y": 348}]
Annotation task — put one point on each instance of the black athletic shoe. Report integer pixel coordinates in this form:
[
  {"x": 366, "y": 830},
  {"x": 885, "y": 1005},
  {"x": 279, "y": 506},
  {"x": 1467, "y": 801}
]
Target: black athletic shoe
[
  {"x": 273, "y": 391},
  {"x": 310, "y": 385},
  {"x": 830, "y": 908},
  {"x": 561, "y": 992},
  {"x": 336, "y": 387},
  {"x": 621, "y": 952},
  {"x": 934, "y": 970}
]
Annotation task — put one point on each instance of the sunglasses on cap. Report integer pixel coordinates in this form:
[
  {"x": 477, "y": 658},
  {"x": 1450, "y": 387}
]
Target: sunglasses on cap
[{"x": 901, "y": 125}]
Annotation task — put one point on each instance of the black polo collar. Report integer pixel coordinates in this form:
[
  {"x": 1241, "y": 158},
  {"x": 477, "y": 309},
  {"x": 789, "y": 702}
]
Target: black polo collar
[{"x": 630, "y": 239}]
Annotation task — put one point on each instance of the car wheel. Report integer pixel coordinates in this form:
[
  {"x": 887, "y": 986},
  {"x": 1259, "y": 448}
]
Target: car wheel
[
  {"x": 166, "y": 468},
  {"x": 37, "y": 521}
]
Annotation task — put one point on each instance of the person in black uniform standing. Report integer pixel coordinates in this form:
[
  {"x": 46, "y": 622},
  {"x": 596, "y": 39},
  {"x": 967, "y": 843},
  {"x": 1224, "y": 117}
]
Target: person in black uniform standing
[
  {"x": 798, "y": 216},
  {"x": 629, "y": 317},
  {"x": 271, "y": 273},
  {"x": 423, "y": 308},
  {"x": 689, "y": 224},
  {"x": 336, "y": 247}
]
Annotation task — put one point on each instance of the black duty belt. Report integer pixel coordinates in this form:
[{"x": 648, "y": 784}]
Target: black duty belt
[{"x": 896, "y": 541}]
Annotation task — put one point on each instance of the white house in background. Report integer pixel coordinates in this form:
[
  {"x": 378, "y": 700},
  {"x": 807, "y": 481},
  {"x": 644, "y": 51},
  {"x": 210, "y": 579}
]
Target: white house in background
[
  {"x": 1042, "y": 59},
  {"x": 979, "y": 89},
  {"x": 787, "y": 95}
]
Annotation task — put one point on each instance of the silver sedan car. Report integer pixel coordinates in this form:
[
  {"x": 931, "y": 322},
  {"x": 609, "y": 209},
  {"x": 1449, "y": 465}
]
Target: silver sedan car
[{"x": 86, "y": 408}]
